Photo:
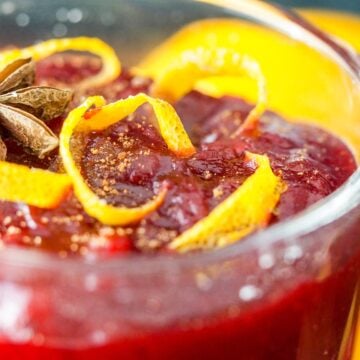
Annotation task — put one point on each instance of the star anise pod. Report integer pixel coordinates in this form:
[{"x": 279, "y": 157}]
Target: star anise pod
[{"x": 24, "y": 108}]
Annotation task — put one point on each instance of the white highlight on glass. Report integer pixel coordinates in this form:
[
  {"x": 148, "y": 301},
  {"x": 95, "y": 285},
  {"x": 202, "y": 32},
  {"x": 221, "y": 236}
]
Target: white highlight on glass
[{"x": 249, "y": 293}]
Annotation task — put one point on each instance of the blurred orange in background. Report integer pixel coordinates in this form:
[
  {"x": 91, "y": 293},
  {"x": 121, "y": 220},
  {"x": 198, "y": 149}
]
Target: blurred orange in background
[
  {"x": 342, "y": 25},
  {"x": 306, "y": 94}
]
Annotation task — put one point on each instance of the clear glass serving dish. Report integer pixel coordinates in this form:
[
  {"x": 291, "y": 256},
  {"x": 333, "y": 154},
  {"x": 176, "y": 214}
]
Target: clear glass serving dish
[{"x": 290, "y": 292}]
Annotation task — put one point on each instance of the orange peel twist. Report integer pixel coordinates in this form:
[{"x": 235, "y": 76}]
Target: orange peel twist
[
  {"x": 36, "y": 187},
  {"x": 179, "y": 77},
  {"x": 93, "y": 114},
  {"x": 170, "y": 125},
  {"x": 247, "y": 209},
  {"x": 111, "y": 67}
]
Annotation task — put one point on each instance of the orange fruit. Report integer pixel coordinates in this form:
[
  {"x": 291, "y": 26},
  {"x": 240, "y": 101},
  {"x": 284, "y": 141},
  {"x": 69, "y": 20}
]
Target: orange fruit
[
  {"x": 302, "y": 84},
  {"x": 342, "y": 25}
]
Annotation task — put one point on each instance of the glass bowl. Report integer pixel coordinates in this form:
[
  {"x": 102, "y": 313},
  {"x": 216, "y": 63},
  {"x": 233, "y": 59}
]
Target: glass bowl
[{"x": 290, "y": 292}]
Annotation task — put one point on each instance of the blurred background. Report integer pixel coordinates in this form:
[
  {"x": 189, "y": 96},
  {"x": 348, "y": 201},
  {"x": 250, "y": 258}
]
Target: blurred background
[
  {"x": 349, "y": 5},
  {"x": 112, "y": 20}
]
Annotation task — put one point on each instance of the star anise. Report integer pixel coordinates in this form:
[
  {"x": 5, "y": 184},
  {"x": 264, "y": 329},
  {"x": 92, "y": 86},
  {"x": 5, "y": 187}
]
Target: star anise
[{"x": 24, "y": 108}]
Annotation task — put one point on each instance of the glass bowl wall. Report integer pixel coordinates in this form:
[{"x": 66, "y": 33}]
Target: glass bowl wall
[{"x": 287, "y": 293}]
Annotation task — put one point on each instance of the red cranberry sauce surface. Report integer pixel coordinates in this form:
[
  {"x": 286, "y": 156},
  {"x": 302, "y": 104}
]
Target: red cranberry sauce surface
[{"x": 128, "y": 162}]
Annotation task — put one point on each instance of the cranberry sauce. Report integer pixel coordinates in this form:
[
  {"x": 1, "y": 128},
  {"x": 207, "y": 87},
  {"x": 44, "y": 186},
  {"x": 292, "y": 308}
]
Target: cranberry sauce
[
  {"x": 127, "y": 163},
  {"x": 309, "y": 323}
]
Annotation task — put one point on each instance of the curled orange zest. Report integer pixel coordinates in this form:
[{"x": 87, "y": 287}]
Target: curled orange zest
[
  {"x": 93, "y": 205},
  {"x": 170, "y": 125},
  {"x": 180, "y": 77},
  {"x": 35, "y": 187},
  {"x": 247, "y": 209},
  {"x": 111, "y": 66}
]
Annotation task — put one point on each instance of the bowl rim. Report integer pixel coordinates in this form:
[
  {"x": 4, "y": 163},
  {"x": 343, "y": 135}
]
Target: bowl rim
[{"x": 324, "y": 212}]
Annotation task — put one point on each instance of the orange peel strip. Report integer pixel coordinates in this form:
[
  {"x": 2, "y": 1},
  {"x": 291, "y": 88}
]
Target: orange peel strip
[
  {"x": 36, "y": 187},
  {"x": 180, "y": 77},
  {"x": 170, "y": 125},
  {"x": 111, "y": 66},
  {"x": 93, "y": 205},
  {"x": 247, "y": 209}
]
